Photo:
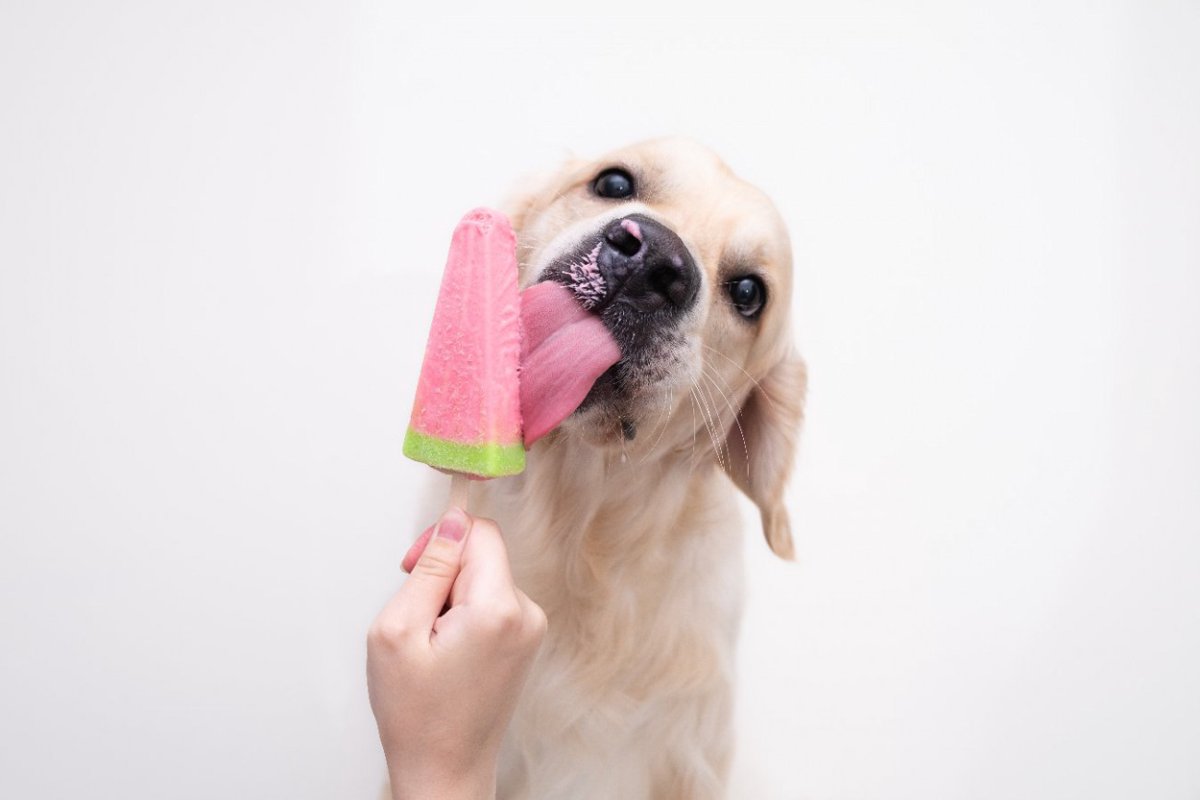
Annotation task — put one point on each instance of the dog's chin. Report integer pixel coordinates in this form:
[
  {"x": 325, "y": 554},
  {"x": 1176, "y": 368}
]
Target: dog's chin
[
  {"x": 607, "y": 415},
  {"x": 621, "y": 404}
]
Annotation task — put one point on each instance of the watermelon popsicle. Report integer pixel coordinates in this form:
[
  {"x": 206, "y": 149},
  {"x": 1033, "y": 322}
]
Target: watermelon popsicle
[
  {"x": 466, "y": 417},
  {"x": 494, "y": 356}
]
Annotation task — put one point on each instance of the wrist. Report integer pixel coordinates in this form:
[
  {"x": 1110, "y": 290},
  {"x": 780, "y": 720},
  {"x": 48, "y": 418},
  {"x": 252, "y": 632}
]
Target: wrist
[{"x": 475, "y": 784}]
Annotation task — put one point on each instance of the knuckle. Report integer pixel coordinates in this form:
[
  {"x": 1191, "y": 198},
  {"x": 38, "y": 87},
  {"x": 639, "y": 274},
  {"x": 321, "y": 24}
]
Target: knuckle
[
  {"x": 488, "y": 524},
  {"x": 536, "y": 622},
  {"x": 535, "y": 618},
  {"x": 533, "y": 626},
  {"x": 385, "y": 634},
  {"x": 502, "y": 619},
  {"x": 438, "y": 561}
]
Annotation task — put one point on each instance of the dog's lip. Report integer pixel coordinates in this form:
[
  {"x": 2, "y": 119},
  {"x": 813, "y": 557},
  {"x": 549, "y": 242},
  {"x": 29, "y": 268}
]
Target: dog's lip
[{"x": 579, "y": 274}]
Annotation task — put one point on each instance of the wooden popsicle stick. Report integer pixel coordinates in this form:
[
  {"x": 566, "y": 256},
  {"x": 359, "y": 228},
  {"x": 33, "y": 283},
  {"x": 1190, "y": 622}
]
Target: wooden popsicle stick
[{"x": 460, "y": 490}]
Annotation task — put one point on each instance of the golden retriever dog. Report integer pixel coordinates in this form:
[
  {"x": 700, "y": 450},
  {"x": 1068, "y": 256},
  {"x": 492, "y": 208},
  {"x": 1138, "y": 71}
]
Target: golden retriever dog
[{"x": 624, "y": 526}]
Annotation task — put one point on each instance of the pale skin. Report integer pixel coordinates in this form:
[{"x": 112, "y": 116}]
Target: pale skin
[{"x": 446, "y": 660}]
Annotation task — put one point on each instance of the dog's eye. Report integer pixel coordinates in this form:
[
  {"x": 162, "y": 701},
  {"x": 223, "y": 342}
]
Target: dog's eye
[
  {"x": 748, "y": 295},
  {"x": 614, "y": 184}
]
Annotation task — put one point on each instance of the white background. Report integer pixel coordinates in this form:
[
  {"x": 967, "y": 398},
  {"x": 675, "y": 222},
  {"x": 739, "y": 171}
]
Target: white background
[{"x": 221, "y": 230}]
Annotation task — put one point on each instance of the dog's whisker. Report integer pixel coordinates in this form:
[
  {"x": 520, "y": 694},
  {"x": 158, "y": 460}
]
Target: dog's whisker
[
  {"x": 736, "y": 365},
  {"x": 697, "y": 402},
  {"x": 713, "y": 378},
  {"x": 717, "y": 380},
  {"x": 710, "y": 422},
  {"x": 757, "y": 385},
  {"x": 703, "y": 408},
  {"x": 719, "y": 440},
  {"x": 695, "y": 428},
  {"x": 714, "y": 416},
  {"x": 692, "y": 402},
  {"x": 668, "y": 408},
  {"x": 727, "y": 426}
]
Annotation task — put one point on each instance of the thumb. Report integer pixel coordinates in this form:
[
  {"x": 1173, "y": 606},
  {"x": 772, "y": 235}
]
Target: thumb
[{"x": 427, "y": 589}]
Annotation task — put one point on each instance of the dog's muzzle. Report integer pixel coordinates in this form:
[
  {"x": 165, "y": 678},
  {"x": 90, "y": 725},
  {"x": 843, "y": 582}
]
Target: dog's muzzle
[
  {"x": 637, "y": 275},
  {"x": 646, "y": 266},
  {"x": 633, "y": 267}
]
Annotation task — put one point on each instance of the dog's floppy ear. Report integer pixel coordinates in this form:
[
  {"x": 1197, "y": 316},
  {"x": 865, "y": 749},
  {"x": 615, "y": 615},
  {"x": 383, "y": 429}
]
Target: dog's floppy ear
[{"x": 769, "y": 423}]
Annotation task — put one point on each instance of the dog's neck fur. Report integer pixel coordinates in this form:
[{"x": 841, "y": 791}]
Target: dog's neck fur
[
  {"x": 637, "y": 564},
  {"x": 594, "y": 504},
  {"x": 603, "y": 541}
]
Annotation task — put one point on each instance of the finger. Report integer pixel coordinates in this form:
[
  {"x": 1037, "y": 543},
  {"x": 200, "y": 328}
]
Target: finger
[
  {"x": 422, "y": 597},
  {"x": 486, "y": 575},
  {"x": 535, "y": 616},
  {"x": 418, "y": 547}
]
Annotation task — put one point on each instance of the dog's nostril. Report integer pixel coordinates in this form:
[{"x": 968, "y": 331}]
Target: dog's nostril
[
  {"x": 668, "y": 280},
  {"x": 625, "y": 236}
]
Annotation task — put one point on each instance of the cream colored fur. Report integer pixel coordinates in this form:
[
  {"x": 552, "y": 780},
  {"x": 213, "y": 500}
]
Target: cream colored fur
[{"x": 633, "y": 548}]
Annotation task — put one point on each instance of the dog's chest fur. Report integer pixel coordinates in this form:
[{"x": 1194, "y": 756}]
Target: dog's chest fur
[{"x": 638, "y": 567}]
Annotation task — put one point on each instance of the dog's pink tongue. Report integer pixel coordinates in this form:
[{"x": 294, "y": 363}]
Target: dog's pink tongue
[{"x": 564, "y": 349}]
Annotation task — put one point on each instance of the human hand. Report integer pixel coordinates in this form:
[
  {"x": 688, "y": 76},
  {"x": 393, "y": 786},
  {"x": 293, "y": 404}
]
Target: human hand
[{"x": 444, "y": 684}]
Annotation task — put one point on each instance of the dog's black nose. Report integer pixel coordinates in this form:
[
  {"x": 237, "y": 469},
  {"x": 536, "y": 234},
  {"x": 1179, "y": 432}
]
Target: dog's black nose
[{"x": 647, "y": 265}]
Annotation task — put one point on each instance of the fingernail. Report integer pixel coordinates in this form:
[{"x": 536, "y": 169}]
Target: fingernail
[{"x": 453, "y": 525}]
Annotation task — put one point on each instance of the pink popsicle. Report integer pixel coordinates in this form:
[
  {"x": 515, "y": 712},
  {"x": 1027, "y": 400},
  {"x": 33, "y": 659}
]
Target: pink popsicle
[{"x": 466, "y": 417}]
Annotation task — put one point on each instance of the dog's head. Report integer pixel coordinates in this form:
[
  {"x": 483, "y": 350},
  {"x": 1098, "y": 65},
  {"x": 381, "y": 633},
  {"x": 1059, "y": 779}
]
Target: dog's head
[{"x": 691, "y": 270}]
